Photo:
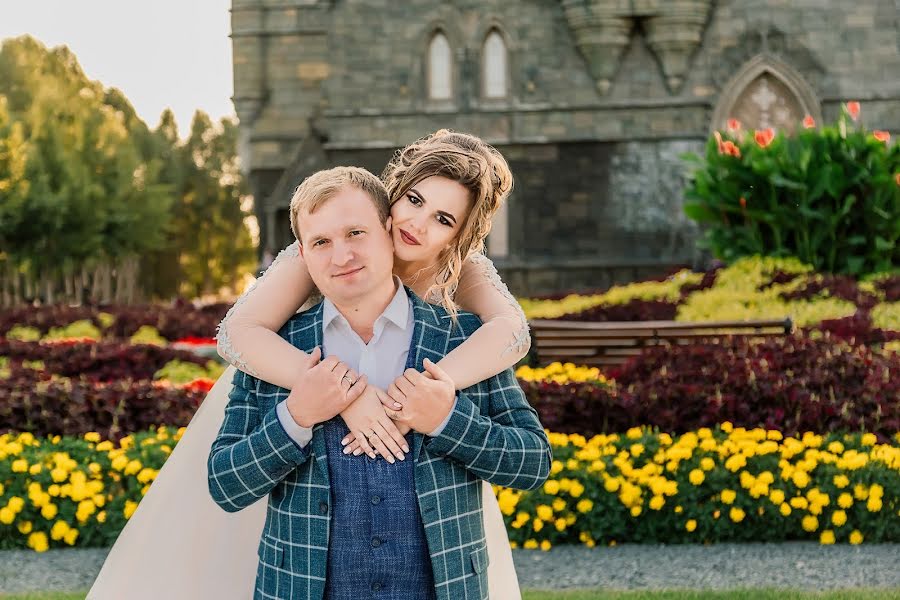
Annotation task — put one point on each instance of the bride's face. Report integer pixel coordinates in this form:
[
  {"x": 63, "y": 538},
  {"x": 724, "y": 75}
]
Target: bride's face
[{"x": 427, "y": 219}]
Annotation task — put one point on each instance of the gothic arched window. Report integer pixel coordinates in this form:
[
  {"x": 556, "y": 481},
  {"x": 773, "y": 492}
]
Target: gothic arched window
[
  {"x": 494, "y": 66},
  {"x": 440, "y": 68}
]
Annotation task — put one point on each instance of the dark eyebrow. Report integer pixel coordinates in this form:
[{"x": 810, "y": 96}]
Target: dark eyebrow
[{"x": 440, "y": 212}]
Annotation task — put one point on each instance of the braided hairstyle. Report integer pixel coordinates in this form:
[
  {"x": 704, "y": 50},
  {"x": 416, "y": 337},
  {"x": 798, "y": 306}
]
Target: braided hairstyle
[{"x": 474, "y": 164}]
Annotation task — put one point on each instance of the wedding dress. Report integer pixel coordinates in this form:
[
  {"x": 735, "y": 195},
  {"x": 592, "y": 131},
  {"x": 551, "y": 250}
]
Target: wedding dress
[{"x": 180, "y": 545}]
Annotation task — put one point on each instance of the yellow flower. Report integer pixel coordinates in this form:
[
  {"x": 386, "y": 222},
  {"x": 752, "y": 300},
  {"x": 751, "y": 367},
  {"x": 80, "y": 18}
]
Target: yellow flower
[
  {"x": 545, "y": 545},
  {"x": 20, "y": 466},
  {"x": 800, "y": 479},
  {"x": 71, "y": 536},
  {"x": 707, "y": 464},
  {"x": 841, "y": 481},
  {"x": 560, "y": 524},
  {"x": 38, "y": 541},
  {"x": 860, "y": 492},
  {"x": 577, "y": 489},
  {"x": 120, "y": 462},
  {"x": 133, "y": 467},
  {"x": 736, "y": 514},
  {"x": 827, "y": 537},
  {"x": 696, "y": 477},
  {"x": 728, "y": 496},
  {"x": 129, "y": 509},
  {"x": 49, "y": 511},
  {"x": 845, "y": 500},
  {"x": 537, "y": 524},
  {"x": 868, "y": 439},
  {"x": 635, "y": 511},
  {"x": 799, "y": 502},
  {"x": 634, "y": 433},
  {"x": 727, "y": 427},
  {"x": 25, "y": 527},
  {"x": 810, "y": 523},
  {"x": 59, "y": 530},
  {"x": 59, "y": 474},
  {"x": 101, "y": 516},
  {"x": 35, "y": 468},
  {"x": 584, "y": 506},
  {"x": 611, "y": 485},
  {"x": 556, "y": 467},
  {"x": 691, "y": 525},
  {"x": 873, "y": 504},
  {"x": 637, "y": 449},
  {"x": 559, "y": 504},
  {"x": 551, "y": 486},
  {"x": 776, "y": 496},
  {"x": 105, "y": 446},
  {"x": 16, "y": 504},
  {"x": 657, "y": 502},
  {"x": 835, "y": 447},
  {"x": 839, "y": 518},
  {"x": 544, "y": 512},
  {"x": 785, "y": 509},
  {"x": 856, "y": 537},
  {"x": 530, "y": 544},
  {"x": 92, "y": 436},
  {"x": 7, "y": 516}
]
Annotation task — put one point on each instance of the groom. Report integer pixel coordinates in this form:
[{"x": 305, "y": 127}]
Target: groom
[{"x": 340, "y": 526}]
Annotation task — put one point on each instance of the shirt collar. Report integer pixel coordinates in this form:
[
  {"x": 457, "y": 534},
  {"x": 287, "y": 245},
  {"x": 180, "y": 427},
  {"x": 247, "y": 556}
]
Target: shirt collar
[{"x": 397, "y": 311}]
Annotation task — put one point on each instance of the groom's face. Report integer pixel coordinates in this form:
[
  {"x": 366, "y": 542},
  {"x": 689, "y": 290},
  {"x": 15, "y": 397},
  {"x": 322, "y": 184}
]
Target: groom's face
[{"x": 347, "y": 249}]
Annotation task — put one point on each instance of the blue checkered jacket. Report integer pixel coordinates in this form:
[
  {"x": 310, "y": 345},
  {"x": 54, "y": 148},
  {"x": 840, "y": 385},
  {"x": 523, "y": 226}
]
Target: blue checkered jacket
[{"x": 493, "y": 435}]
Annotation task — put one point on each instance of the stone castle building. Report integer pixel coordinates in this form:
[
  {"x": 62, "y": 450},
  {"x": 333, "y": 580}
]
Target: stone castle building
[{"x": 591, "y": 101}]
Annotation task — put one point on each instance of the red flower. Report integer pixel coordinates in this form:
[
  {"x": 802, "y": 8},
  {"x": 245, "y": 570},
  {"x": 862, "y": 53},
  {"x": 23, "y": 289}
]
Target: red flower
[
  {"x": 734, "y": 125},
  {"x": 719, "y": 141},
  {"x": 731, "y": 149},
  {"x": 203, "y": 384},
  {"x": 764, "y": 137},
  {"x": 743, "y": 203},
  {"x": 853, "y": 109},
  {"x": 809, "y": 122},
  {"x": 881, "y": 136}
]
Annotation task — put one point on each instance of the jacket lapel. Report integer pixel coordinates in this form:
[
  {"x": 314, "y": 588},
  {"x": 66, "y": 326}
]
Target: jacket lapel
[
  {"x": 430, "y": 337},
  {"x": 319, "y": 452}
]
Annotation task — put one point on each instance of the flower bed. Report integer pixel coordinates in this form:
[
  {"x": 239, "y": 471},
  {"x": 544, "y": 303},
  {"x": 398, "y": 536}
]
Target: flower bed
[
  {"x": 713, "y": 485},
  {"x": 722, "y": 484}
]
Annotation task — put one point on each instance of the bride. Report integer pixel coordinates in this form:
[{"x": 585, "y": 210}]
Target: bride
[{"x": 178, "y": 543}]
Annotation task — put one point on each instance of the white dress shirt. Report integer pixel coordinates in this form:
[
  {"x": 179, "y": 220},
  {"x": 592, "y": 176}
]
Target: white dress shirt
[{"x": 382, "y": 360}]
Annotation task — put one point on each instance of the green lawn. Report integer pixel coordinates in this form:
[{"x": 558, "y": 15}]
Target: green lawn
[{"x": 751, "y": 594}]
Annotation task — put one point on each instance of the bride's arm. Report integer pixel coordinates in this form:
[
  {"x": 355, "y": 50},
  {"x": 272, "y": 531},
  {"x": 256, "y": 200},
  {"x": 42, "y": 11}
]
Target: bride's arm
[
  {"x": 247, "y": 336},
  {"x": 503, "y": 338}
]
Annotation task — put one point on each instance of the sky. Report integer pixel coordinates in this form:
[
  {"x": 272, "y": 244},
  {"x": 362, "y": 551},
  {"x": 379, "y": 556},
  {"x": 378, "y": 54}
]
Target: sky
[{"x": 160, "y": 53}]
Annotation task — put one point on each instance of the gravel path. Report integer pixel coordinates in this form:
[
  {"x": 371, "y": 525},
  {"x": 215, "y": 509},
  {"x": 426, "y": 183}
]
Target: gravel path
[{"x": 801, "y": 565}]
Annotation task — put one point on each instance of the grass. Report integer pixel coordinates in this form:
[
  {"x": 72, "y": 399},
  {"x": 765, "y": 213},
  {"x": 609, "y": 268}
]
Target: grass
[{"x": 746, "y": 594}]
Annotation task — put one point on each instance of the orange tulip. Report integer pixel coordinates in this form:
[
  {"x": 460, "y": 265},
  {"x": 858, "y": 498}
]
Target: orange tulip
[
  {"x": 853, "y": 109},
  {"x": 764, "y": 137},
  {"x": 734, "y": 125},
  {"x": 881, "y": 136},
  {"x": 731, "y": 149},
  {"x": 809, "y": 122},
  {"x": 719, "y": 142}
]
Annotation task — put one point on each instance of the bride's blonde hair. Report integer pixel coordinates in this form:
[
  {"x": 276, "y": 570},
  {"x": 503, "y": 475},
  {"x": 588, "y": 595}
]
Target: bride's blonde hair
[{"x": 474, "y": 164}]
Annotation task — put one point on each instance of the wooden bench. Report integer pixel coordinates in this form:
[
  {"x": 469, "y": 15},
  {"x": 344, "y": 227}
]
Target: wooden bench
[{"x": 612, "y": 343}]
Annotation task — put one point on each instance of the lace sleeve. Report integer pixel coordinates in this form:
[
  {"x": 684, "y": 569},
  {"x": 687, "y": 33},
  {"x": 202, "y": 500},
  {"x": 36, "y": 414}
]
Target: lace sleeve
[
  {"x": 247, "y": 337},
  {"x": 502, "y": 340}
]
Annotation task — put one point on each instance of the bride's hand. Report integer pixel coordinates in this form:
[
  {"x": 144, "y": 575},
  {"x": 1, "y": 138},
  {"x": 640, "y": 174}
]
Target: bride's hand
[
  {"x": 367, "y": 416},
  {"x": 355, "y": 447}
]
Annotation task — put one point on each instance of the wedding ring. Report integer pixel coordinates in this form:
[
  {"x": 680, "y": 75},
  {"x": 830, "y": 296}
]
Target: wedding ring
[{"x": 347, "y": 378}]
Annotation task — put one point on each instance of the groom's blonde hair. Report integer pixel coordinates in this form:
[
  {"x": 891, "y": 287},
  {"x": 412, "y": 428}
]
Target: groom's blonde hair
[{"x": 320, "y": 187}]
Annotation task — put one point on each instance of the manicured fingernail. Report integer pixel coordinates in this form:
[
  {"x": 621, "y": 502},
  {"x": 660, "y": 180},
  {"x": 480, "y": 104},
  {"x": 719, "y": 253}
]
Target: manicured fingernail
[
  {"x": 406, "y": 448},
  {"x": 372, "y": 455},
  {"x": 343, "y": 442},
  {"x": 400, "y": 455},
  {"x": 397, "y": 405},
  {"x": 357, "y": 452},
  {"x": 346, "y": 450},
  {"x": 391, "y": 460}
]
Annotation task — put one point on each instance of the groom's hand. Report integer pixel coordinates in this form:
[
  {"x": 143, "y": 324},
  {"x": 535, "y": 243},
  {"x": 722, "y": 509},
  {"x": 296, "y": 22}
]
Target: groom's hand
[
  {"x": 323, "y": 391},
  {"x": 421, "y": 400}
]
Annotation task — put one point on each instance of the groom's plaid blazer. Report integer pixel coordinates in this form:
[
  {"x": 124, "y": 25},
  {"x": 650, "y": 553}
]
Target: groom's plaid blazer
[{"x": 493, "y": 434}]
